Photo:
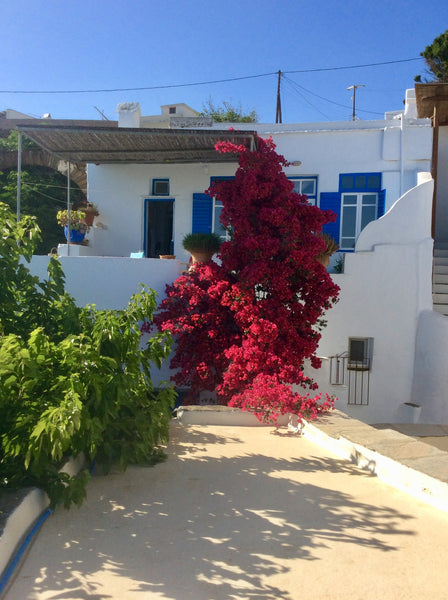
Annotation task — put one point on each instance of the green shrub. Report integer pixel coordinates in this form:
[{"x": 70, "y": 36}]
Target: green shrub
[{"x": 72, "y": 380}]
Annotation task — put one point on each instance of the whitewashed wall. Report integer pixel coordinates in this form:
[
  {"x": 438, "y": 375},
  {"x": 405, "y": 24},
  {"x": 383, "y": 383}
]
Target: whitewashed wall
[
  {"x": 120, "y": 192},
  {"x": 109, "y": 282},
  {"x": 431, "y": 373},
  {"x": 385, "y": 286}
]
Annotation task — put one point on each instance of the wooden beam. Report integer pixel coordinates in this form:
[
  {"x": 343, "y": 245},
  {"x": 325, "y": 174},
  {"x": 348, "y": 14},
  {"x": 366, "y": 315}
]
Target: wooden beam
[{"x": 434, "y": 166}]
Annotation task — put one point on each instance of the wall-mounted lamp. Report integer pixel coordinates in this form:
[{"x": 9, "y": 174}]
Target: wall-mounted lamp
[{"x": 296, "y": 163}]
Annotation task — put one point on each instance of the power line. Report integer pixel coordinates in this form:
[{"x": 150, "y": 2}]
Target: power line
[
  {"x": 197, "y": 83},
  {"x": 294, "y": 88},
  {"x": 297, "y": 85},
  {"x": 135, "y": 89},
  {"x": 389, "y": 62}
]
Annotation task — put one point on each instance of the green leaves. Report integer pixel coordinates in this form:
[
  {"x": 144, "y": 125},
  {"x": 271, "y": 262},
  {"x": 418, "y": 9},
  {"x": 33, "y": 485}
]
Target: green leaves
[{"x": 72, "y": 380}]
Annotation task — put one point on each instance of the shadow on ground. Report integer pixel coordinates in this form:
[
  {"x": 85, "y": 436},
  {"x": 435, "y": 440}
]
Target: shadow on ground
[{"x": 181, "y": 530}]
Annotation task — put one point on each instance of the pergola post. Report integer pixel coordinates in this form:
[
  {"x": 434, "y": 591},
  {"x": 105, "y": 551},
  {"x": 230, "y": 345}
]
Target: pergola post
[
  {"x": 19, "y": 174},
  {"x": 69, "y": 229}
]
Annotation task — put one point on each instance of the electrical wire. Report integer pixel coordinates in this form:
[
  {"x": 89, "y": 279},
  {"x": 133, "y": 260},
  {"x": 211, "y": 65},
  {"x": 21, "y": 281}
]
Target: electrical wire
[
  {"x": 45, "y": 195},
  {"x": 297, "y": 85},
  {"x": 292, "y": 88},
  {"x": 388, "y": 62},
  {"x": 230, "y": 79}
]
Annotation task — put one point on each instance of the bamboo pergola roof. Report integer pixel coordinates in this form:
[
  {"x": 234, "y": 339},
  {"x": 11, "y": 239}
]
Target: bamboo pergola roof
[
  {"x": 110, "y": 145},
  {"x": 430, "y": 96}
]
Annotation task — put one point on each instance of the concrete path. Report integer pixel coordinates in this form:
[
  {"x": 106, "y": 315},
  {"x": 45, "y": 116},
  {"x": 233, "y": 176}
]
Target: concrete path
[{"x": 240, "y": 513}]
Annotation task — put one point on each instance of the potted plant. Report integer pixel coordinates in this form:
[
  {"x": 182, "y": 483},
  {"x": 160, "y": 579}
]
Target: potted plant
[
  {"x": 78, "y": 226},
  {"x": 331, "y": 248},
  {"x": 202, "y": 246},
  {"x": 91, "y": 211}
]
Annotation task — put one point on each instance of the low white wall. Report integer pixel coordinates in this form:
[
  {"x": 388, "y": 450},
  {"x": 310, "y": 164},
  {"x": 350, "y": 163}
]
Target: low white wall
[
  {"x": 109, "y": 282},
  {"x": 383, "y": 290},
  {"x": 431, "y": 372}
]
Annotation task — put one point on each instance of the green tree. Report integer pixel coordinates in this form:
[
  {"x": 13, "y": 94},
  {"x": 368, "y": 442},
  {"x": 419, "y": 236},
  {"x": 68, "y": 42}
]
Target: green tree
[
  {"x": 436, "y": 59},
  {"x": 228, "y": 113},
  {"x": 43, "y": 194}
]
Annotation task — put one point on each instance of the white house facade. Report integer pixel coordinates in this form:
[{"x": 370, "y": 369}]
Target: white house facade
[
  {"x": 357, "y": 169},
  {"x": 372, "y": 174}
]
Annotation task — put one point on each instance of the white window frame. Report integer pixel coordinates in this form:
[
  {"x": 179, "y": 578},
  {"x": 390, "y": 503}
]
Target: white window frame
[
  {"x": 298, "y": 186},
  {"x": 359, "y": 209},
  {"x": 216, "y": 223}
]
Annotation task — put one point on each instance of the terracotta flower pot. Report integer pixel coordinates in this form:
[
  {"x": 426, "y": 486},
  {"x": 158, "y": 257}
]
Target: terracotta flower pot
[
  {"x": 201, "y": 256},
  {"x": 90, "y": 215},
  {"x": 324, "y": 259}
]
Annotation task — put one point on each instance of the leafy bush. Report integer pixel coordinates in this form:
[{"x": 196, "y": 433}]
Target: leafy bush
[{"x": 72, "y": 380}]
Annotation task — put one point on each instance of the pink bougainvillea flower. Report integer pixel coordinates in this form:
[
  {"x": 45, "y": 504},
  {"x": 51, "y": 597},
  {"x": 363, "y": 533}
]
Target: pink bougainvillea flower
[{"x": 245, "y": 326}]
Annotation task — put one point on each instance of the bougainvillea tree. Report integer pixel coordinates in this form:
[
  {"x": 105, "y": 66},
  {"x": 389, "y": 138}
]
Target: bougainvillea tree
[{"x": 245, "y": 326}]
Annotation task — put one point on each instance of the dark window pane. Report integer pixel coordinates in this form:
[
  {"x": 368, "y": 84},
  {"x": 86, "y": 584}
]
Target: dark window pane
[
  {"x": 347, "y": 182},
  {"x": 369, "y": 199},
  {"x": 347, "y": 243},
  {"x": 349, "y": 221},
  {"x": 373, "y": 182},
  {"x": 308, "y": 187},
  {"x": 368, "y": 214},
  {"x": 360, "y": 182},
  {"x": 357, "y": 349}
]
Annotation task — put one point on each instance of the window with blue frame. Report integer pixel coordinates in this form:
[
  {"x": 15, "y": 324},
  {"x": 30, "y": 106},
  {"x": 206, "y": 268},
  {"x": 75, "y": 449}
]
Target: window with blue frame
[
  {"x": 359, "y": 201},
  {"x": 307, "y": 186}
]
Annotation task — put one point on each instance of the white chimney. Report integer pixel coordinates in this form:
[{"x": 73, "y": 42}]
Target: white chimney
[
  {"x": 410, "y": 110},
  {"x": 129, "y": 114}
]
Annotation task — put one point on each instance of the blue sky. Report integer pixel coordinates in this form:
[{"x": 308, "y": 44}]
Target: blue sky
[{"x": 103, "y": 45}]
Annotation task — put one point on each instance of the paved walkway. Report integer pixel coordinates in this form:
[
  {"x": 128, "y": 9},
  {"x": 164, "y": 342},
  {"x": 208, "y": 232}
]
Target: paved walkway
[{"x": 240, "y": 513}]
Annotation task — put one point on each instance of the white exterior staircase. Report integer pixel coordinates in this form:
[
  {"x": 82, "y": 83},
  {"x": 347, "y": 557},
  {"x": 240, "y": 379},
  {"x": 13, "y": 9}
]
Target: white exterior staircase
[{"x": 440, "y": 279}]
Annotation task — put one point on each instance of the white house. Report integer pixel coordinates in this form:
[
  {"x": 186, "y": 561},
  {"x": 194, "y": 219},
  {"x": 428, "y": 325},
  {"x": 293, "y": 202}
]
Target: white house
[
  {"x": 148, "y": 177},
  {"x": 358, "y": 169}
]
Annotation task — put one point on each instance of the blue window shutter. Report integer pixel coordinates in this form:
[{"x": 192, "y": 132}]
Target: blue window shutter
[
  {"x": 332, "y": 201},
  {"x": 381, "y": 203},
  {"x": 202, "y": 213}
]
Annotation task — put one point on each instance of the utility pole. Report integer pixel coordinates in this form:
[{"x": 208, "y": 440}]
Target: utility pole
[
  {"x": 278, "y": 110},
  {"x": 354, "y": 88}
]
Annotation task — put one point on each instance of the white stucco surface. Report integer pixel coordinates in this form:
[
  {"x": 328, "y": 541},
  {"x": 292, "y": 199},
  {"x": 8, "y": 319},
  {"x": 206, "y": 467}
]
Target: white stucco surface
[
  {"x": 109, "y": 282},
  {"x": 430, "y": 387},
  {"x": 384, "y": 288}
]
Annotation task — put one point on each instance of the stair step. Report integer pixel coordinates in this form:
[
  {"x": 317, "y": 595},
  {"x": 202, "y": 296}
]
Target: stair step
[
  {"x": 440, "y": 298},
  {"x": 440, "y": 269},
  {"x": 441, "y": 308},
  {"x": 440, "y": 260},
  {"x": 441, "y": 252},
  {"x": 440, "y": 278},
  {"x": 441, "y": 244},
  {"x": 440, "y": 288}
]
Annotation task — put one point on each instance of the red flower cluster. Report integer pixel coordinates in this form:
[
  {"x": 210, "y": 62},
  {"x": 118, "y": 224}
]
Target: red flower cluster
[{"x": 245, "y": 326}]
